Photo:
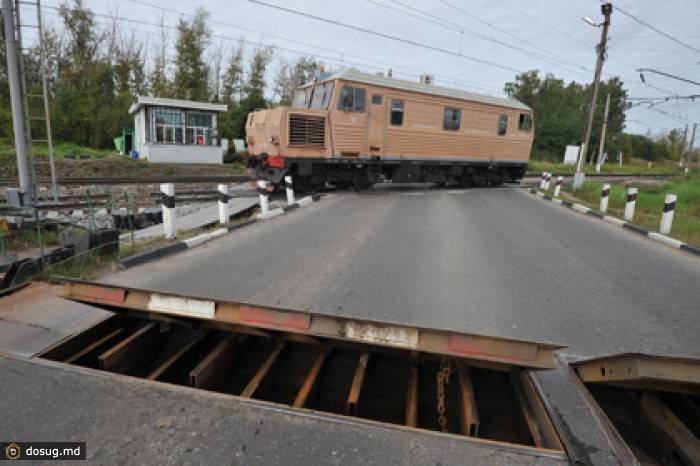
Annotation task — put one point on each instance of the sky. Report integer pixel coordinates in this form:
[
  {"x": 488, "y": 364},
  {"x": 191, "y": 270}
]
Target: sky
[{"x": 475, "y": 45}]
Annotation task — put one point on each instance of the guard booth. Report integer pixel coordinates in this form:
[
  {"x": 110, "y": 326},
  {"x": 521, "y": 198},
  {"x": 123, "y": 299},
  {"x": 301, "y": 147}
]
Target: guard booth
[
  {"x": 124, "y": 144},
  {"x": 178, "y": 131}
]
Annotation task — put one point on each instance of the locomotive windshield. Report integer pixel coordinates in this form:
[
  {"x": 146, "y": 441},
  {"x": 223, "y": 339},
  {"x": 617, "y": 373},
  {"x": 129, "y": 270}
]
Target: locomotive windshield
[{"x": 318, "y": 96}]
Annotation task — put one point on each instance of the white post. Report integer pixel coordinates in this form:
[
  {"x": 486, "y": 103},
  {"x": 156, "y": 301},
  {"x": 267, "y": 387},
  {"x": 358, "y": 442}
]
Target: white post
[
  {"x": 264, "y": 197},
  {"x": 547, "y": 181},
  {"x": 557, "y": 187},
  {"x": 167, "y": 200},
  {"x": 604, "y": 198},
  {"x": 223, "y": 203},
  {"x": 543, "y": 180},
  {"x": 290, "y": 190},
  {"x": 631, "y": 201},
  {"x": 667, "y": 216}
]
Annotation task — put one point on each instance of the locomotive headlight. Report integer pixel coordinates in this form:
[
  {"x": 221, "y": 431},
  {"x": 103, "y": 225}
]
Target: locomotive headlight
[{"x": 274, "y": 140}]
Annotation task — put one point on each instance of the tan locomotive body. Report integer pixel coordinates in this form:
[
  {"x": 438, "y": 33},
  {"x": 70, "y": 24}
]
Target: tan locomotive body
[{"x": 353, "y": 129}]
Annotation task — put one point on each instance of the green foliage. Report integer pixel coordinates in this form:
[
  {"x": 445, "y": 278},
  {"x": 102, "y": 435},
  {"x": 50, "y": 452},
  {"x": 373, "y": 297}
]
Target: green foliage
[
  {"x": 560, "y": 112},
  {"x": 293, "y": 75},
  {"x": 191, "y": 73}
]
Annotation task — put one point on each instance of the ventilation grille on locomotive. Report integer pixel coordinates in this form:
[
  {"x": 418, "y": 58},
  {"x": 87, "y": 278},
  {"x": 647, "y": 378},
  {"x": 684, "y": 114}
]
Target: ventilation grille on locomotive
[{"x": 306, "y": 130}]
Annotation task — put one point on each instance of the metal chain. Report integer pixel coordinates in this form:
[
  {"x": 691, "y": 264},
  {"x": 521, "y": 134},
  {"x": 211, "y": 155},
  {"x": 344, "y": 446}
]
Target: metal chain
[{"x": 443, "y": 377}]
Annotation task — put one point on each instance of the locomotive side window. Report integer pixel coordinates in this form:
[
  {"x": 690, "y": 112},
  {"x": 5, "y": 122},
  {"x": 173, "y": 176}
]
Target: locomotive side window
[
  {"x": 525, "y": 122},
  {"x": 451, "y": 119},
  {"x": 396, "y": 118},
  {"x": 301, "y": 98},
  {"x": 352, "y": 99},
  {"x": 377, "y": 99},
  {"x": 502, "y": 125},
  {"x": 322, "y": 96}
]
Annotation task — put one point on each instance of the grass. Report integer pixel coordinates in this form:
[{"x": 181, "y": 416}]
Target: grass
[
  {"x": 650, "y": 203},
  {"x": 632, "y": 166}
]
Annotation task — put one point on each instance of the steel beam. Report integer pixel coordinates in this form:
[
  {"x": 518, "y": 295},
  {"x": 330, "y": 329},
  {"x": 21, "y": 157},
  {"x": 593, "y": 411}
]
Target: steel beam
[
  {"x": 91, "y": 347},
  {"x": 412, "y": 397},
  {"x": 468, "y": 413},
  {"x": 257, "y": 381},
  {"x": 210, "y": 370},
  {"x": 351, "y": 407},
  {"x": 536, "y": 417},
  {"x": 309, "y": 386},
  {"x": 165, "y": 365},
  {"x": 667, "y": 425},
  {"x": 125, "y": 354}
]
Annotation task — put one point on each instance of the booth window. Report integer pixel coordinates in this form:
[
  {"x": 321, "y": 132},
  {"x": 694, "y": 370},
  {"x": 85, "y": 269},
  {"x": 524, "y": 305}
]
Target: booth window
[
  {"x": 396, "y": 113},
  {"x": 352, "y": 99},
  {"x": 502, "y": 125},
  {"x": 525, "y": 122},
  {"x": 451, "y": 119},
  {"x": 168, "y": 123}
]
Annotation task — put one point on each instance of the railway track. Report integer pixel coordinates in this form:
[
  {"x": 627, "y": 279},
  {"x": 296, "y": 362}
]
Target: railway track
[{"x": 74, "y": 181}]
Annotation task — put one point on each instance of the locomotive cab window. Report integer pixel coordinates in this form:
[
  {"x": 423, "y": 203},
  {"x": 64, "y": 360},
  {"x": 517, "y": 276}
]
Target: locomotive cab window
[
  {"x": 451, "y": 119},
  {"x": 502, "y": 125},
  {"x": 352, "y": 99},
  {"x": 322, "y": 96},
  {"x": 396, "y": 118},
  {"x": 525, "y": 122}
]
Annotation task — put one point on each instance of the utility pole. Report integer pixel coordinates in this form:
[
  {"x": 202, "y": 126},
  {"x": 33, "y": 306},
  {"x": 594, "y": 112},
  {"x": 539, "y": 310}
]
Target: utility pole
[
  {"x": 692, "y": 142},
  {"x": 602, "y": 134},
  {"x": 25, "y": 185},
  {"x": 685, "y": 139},
  {"x": 606, "y": 9}
]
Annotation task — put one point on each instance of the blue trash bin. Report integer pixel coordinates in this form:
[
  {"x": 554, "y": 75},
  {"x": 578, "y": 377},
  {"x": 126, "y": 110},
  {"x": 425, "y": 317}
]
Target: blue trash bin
[{"x": 134, "y": 154}]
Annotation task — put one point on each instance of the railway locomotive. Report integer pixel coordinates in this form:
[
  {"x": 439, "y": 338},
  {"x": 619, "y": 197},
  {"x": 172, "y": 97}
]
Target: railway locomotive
[{"x": 353, "y": 129}]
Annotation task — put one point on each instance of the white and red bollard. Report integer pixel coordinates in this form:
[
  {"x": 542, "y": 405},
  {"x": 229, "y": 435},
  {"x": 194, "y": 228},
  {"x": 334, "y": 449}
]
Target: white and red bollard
[
  {"x": 604, "y": 198},
  {"x": 667, "y": 216},
  {"x": 264, "y": 197},
  {"x": 547, "y": 181},
  {"x": 543, "y": 180},
  {"x": 223, "y": 203},
  {"x": 290, "y": 189},
  {"x": 557, "y": 186},
  {"x": 631, "y": 202},
  {"x": 167, "y": 200}
]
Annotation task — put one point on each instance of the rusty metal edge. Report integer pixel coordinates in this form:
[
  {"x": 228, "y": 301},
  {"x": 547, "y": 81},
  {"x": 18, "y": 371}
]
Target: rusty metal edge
[{"x": 543, "y": 350}]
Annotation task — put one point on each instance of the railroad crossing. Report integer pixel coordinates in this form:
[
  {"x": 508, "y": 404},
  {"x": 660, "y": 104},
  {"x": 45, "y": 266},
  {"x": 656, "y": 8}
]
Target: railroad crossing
[{"x": 498, "y": 268}]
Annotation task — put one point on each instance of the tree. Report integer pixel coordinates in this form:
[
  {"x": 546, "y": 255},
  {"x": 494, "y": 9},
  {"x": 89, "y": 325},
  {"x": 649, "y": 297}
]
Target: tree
[
  {"x": 293, "y": 75},
  {"x": 255, "y": 83},
  {"x": 191, "y": 77},
  {"x": 232, "y": 84},
  {"x": 560, "y": 112},
  {"x": 159, "y": 83}
]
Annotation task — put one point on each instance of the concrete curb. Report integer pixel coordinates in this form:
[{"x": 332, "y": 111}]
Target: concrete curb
[
  {"x": 663, "y": 239},
  {"x": 189, "y": 243}
]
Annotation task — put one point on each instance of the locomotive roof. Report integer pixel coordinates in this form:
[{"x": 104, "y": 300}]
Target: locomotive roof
[{"x": 377, "y": 80}]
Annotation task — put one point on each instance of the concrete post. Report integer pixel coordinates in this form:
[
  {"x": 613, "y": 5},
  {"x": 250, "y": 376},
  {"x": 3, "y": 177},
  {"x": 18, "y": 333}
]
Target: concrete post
[
  {"x": 604, "y": 198},
  {"x": 557, "y": 187},
  {"x": 631, "y": 202},
  {"x": 290, "y": 190},
  {"x": 543, "y": 180},
  {"x": 223, "y": 203},
  {"x": 264, "y": 197},
  {"x": 25, "y": 183},
  {"x": 167, "y": 200},
  {"x": 667, "y": 216}
]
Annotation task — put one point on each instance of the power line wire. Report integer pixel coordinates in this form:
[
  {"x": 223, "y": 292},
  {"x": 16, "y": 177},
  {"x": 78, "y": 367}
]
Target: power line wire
[
  {"x": 658, "y": 31},
  {"x": 385, "y": 36}
]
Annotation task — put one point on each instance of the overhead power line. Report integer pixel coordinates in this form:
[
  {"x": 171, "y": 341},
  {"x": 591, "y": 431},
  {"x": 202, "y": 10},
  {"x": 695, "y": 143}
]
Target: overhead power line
[
  {"x": 385, "y": 36},
  {"x": 657, "y": 30}
]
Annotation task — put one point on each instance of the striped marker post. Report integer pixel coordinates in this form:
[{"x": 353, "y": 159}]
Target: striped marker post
[
  {"x": 167, "y": 200},
  {"x": 543, "y": 180},
  {"x": 667, "y": 216},
  {"x": 547, "y": 181},
  {"x": 557, "y": 186},
  {"x": 604, "y": 198},
  {"x": 223, "y": 203},
  {"x": 290, "y": 189},
  {"x": 264, "y": 196},
  {"x": 631, "y": 202}
]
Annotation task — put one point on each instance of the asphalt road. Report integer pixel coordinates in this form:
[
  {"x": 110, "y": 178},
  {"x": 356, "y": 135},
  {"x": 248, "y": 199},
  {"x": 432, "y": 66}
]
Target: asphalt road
[{"x": 493, "y": 261}]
